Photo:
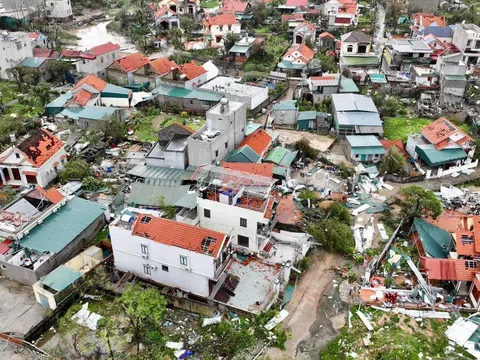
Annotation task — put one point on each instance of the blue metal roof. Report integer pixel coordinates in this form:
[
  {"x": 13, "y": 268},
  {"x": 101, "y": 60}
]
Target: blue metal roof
[
  {"x": 307, "y": 115},
  {"x": 285, "y": 105},
  {"x": 60, "y": 101},
  {"x": 439, "y": 31},
  {"x": 33, "y": 62},
  {"x": 61, "y": 228},
  {"x": 61, "y": 278}
]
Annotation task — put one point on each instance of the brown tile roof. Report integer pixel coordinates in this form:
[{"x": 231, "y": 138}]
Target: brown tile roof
[
  {"x": 92, "y": 81},
  {"x": 326, "y": 34},
  {"x": 222, "y": 19},
  {"x": 132, "y": 62},
  {"x": 173, "y": 233},
  {"x": 163, "y": 65},
  {"x": 40, "y": 147},
  {"x": 259, "y": 141},
  {"x": 262, "y": 169},
  {"x": 295, "y": 17},
  {"x": 192, "y": 70}
]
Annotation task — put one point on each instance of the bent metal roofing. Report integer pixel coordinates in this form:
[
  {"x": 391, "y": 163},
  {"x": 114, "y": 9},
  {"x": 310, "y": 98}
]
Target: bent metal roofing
[
  {"x": 61, "y": 228},
  {"x": 173, "y": 233},
  {"x": 436, "y": 241}
]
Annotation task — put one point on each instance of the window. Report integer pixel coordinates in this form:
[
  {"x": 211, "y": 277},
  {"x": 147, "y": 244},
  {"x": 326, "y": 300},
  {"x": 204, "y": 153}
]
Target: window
[
  {"x": 216, "y": 153},
  {"x": 469, "y": 264},
  {"x": 191, "y": 102},
  {"x": 206, "y": 213},
  {"x": 467, "y": 240},
  {"x": 101, "y": 59},
  {"x": 147, "y": 269},
  {"x": 144, "y": 248},
  {"x": 226, "y": 145},
  {"x": 146, "y": 220},
  {"x": 229, "y": 27},
  {"x": 183, "y": 260},
  {"x": 243, "y": 241},
  {"x": 165, "y": 268},
  {"x": 350, "y": 48},
  {"x": 243, "y": 222},
  {"x": 19, "y": 45},
  {"x": 17, "y": 155}
]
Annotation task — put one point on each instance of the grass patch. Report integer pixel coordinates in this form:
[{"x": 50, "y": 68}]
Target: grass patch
[
  {"x": 187, "y": 122},
  {"x": 209, "y": 4},
  {"x": 400, "y": 128},
  {"x": 262, "y": 30},
  {"x": 265, "y": 61}
]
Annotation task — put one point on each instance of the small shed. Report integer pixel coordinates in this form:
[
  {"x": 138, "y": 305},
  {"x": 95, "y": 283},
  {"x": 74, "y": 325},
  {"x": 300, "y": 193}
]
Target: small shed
[
  {"x": 307, "y": 120},
  {"x": 364, "y": 148},
  {"x": 285, "y": 113}
]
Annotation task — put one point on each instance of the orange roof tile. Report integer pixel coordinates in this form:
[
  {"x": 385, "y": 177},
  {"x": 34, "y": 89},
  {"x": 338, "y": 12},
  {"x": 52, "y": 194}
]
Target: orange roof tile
[
  {"x": 132, "y": 62},
  {"x": 40, "y": 147},
  {"x": 235, "y": 5},
  {"x": 324, "y": 77},
  {"x": 178, "y": 234},
  {"x": 326, "y": 34},
  {"x": 259, "y": 141},
  {"x": 163, "y": 65},
  {"x": 192, "y": 70},
  {"x": 222, "y": 19},
  {"x": 449, "y": 220},
  {"x": 306, "y": 54},
  {"x": 305, "y": 23},
  {"x": 287, "y": 212},
  {"x": 447, "y": 269},
  {"x": 442, "y": 133},
  {"x": 426, "y": 19},
  {"x": 295, "y": 17},
  {"x": 51, "y": 194},
  {"x": 82, "y": 97},
  {"x": 388, "y": 144},
  {"x": 262, "y": 169},
  {"x": 269, "y": 208},
  {"x": 104, "y": 48},
  {"x": 92, "y": 81}
]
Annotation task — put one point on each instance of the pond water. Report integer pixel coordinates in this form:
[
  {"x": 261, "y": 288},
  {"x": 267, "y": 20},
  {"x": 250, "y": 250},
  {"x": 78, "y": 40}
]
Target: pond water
[{"x": 98, "y": 34}]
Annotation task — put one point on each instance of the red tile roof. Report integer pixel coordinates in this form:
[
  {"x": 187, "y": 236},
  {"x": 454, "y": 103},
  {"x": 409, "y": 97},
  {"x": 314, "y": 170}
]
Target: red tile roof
[
  {"x": 45, "y": 53},
  {"x": 4, "y": 246},
  {"x": 132, "y": 62},
  {"x": 326, "y": 34},
  {"x": 259, "y": 141},
  {"x": 447, "y": 269},
  {"x": 426, "y": 19},
  {"x": 235, "y": 5},
  {"x": 40, "y": 147},
  {"x": 306, "y": 54},
  {"x": 178, "y": 234},
  {"x": 342, "y": 20},
  {"x": 163, "y": 65},
  {"x": 33, "y": 35},
  {"x": 92, "y": 81},
  {"x": 307, "y": 24},
  {"x": 287, "y": 212},
  {"x": 51, "y": 194},
  {"x": 163, "y": 10},
  {"x": 324, "y": 77},
  {"x": 82, "y": 97},
  {"x": 330, "y": 53},
  {"x": 262, "y": 169},
  {"x": 222, "y": 19},
  {"x": 388, "y": 144},
  {"x": 70, "y": 53},
  {"x": 296, "y": 3},
  {"x": 295, "y": 17},
  {"x": 192, "y": 70},
  {"x": 443, "y": 133},
  {"x": 104, "y": 48}
]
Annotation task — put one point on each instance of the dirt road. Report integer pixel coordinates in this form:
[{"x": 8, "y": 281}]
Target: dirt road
[{"x": 306, "y": 317}]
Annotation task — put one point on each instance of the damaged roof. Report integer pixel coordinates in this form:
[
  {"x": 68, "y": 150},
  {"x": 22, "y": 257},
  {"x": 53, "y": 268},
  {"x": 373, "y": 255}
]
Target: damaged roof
[
  {"x": 40, "y": 147},
  {"x": 436, "y": 242}
]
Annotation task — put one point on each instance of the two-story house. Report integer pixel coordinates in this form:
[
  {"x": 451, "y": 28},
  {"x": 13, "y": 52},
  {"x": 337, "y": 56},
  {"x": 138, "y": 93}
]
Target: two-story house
[
  {"x": 296, "y": 58},
  {"x": 342, "y": 13},
  {"x": 36, "y": 160},
  {"x": 466, "y": 38},
  {"x": 168, "y": 252},
  {"x": 441, "y": 149},
  {"x": 166, "y": 17},
  {"x": 452, "y": 71},
  {"x": 236, "y": 203},
  {"x": 421, "y": 20},
  {"x": 216, "y": 27},
  {"x": 59, "y": 9},
  {"x": 224, "y": 131},
  {"x": 98, "y": 58},
  {"x": 357, "y": 50},
  {"x": 182, "y": 7},
  {"x": 401, "y": 54},
  {"x": 15, "y": 47}
]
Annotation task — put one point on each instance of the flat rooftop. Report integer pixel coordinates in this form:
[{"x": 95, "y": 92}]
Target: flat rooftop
[
  {"x": 222, "y": 108},
  {"x": 228, "y": 85}
]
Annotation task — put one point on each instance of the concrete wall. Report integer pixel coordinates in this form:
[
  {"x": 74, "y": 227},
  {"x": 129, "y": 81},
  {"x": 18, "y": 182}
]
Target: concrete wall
[
  {"x": 99, "y": 65},
  {"x": 192, "y": 106},
  {"x": 192, "y": 278},
  {"x": 47, "y": 172},
  {"x": 59, "y": 9},
  {"x": 226, "y": 218},
  {"x": 285, "y": 117},
  {"x": 14, "y": 51},
  {"x": 115, "y": 102},
  {"x": 204, "y": 152}
]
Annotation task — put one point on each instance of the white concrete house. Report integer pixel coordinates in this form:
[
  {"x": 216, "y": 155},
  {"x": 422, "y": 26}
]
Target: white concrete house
[
  {"x": 59, "y": 9},
  {"x": 216, "y": 27},
  {"x": 14, "y": 47},
  {"x": 224, "y": 131},
  {"x": 171, "y": 253},
  {"x": 237, "y": 203},
  {"x": 36, "y": 160},
  {"x": 466, "y": 38},
  {"x": 97, "y": 59}
]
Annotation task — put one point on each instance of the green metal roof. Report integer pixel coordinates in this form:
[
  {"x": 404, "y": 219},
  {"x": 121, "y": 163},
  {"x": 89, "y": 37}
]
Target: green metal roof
[
  {"x": 369, "y": 150},
  {"x": 89, "y": 112},
  {"x": 281, "y": 156},
  {"x": 251, "y": 127},
  {"x": 348, "y": 86},
  {"x": 59, "y": 101},
  {"x": 33, "y": 62},
  {"x": 147, "y": 194},
  {"x": 285, "y": 105},
  {"x": 280, "y": 171},
  {"x": 436, "y": 241},
  {"x": 433, "y": 157},
  {"x": 115, "y": 91},
  {"x": 182, "y": 93},
  {"x": 307, "y": 115},
  {"x": 241, "y": 49},
  {"x": 61, "y": 278},
  {"x": 378, "y": 78},
  {"x": 359, "y": 60},
  {"x": 363, "y": 140},
  {"x": 456, "y": 77},
  {"x": 61, "y": 228},
  {"x": 161, "y": 176},
  {"x": 289, "y": 66},
  {"x": 243, "y": 154}
]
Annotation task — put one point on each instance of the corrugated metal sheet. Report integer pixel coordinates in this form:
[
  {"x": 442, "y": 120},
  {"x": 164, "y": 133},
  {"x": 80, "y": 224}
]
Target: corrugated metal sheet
[{"x": 150, "y": 195}]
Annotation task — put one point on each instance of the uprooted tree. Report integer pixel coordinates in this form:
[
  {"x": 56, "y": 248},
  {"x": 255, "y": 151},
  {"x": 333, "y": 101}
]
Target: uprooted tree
[{"x": 393, "y": 161}]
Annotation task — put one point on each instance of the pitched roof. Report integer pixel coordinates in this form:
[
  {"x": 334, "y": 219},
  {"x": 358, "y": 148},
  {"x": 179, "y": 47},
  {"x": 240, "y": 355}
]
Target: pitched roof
[
  {"x": 262, "y": 169},
  {"x": 438, "y": 31},
  {"x": 388, "y": 144},
  {"x": 436, "y": 241},
  {"x": 356, "y": 37},
  {"x": 353, "y": 102},
  {"x": 33, "y": 35},
  {"x": 163, "y": 65},
  {"x": 326, "y": 34},
  {"x": 163, "y": 10},
  {"x": 296, "y": 3},
  {"x": 442, "y": 133},
  {"x": 243, "y": 154},
  {"x": 173, "y": 233},
  {"x": 433, "y": 157},
  {"x": 92, "y": 81},
  {"x": 259, "y": 141},
  {"x": 426, "y": 19},
  {"x": 104, "y": 48},
  {"x": 287, "y": 211},
  {"x": 45, "y": 53},
  {"x": 33, "y": 62},
  {"x": 221, "y": 19},
  {"x": 306, "y": 54},
  {"x": 192, "y": 70},
  {"x": 305, "y": 24},
  {"x": 447, "y": 269},
  {"x": 281, "y": 156},
  {"x": 235, "y": 5},
  {"x": 295, "y": 17},
  {"x": 40, "y": 147},
  {"x": 53, "y": 195},
  {"x": 82, "y": 97},
  {"x": 70, "y": 53},
  {"x": 132, "y": 62}
]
